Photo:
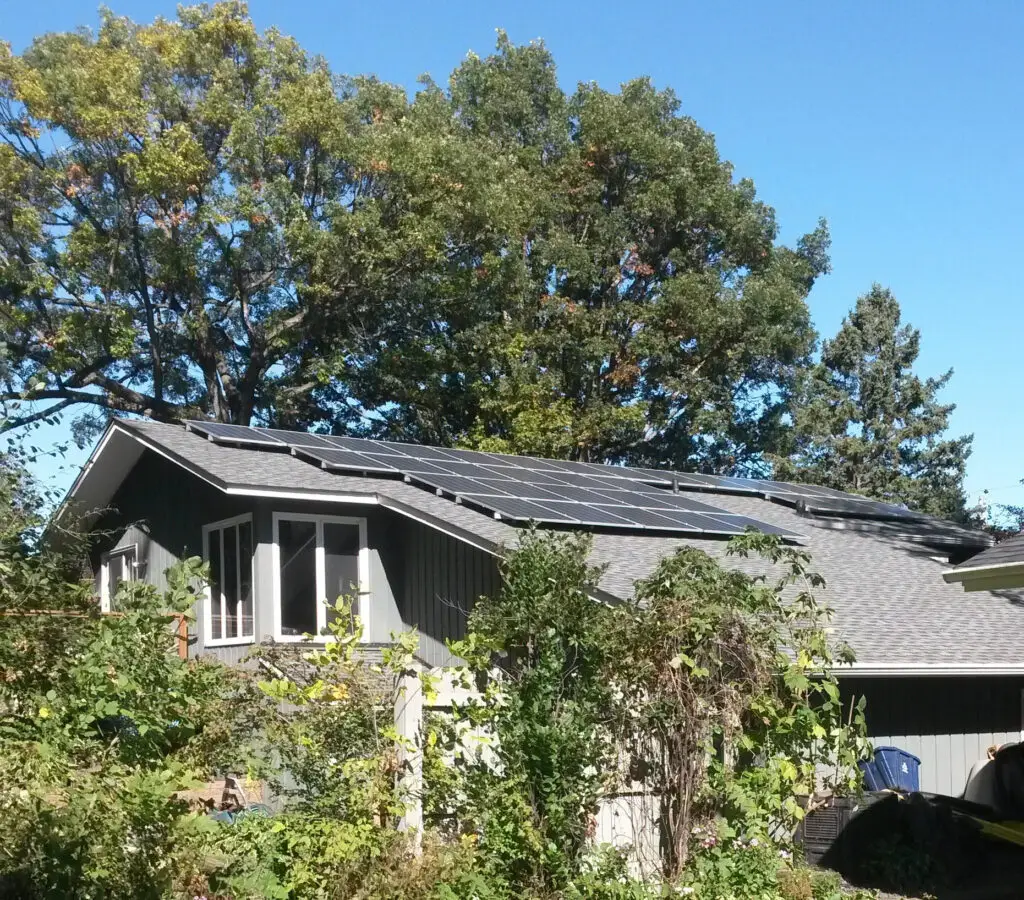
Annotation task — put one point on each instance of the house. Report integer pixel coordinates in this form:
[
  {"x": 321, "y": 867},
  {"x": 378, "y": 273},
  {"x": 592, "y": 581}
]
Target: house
[
  {"x": 287, "y": 520},
  {"x": 996, "y": 569}
]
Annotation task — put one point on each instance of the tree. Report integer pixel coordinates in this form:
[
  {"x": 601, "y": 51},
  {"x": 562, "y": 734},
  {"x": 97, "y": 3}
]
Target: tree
[
  {"x": 863, "y": 421},
  {"x": 197, "y": 219},
  {"x": 642, "y": 309},
  {"x": 170, "y": 198}
]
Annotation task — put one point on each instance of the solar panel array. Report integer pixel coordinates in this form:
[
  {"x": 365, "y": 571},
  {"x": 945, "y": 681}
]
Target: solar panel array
[
  {"x": 813, "y": 498},
  {"x": 513, "y": 488}
]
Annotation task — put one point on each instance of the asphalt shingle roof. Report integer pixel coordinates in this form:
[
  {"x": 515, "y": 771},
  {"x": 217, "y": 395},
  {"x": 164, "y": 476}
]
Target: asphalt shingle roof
[{"x": 891, "y": 603}]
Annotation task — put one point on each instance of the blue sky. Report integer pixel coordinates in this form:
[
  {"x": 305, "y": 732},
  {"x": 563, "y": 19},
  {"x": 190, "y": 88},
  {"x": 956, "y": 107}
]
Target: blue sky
[{"x": 900, "y": 123}]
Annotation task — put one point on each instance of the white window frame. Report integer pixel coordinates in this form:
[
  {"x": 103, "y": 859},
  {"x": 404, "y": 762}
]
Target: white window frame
[
  {"x": 363, "y": 570},
  {"x": 133, "y": 569},
  {"x": 208, "y": 639}
]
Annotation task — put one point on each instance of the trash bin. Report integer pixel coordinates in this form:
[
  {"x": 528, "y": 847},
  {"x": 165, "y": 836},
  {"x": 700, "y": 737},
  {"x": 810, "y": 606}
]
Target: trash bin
[
  {"x": 892, "y": 769},
  {"x": 873, "y": 777}
]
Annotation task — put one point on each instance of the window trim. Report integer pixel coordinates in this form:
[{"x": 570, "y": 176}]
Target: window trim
[
  {"x": 208, "y": 639},
  {"x": 133, "y": 549},
  {"x": 362, "y": 567}
]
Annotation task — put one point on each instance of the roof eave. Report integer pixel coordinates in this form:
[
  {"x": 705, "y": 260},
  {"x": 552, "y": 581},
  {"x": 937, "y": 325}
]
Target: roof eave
[{"x": 998, "y": 576}]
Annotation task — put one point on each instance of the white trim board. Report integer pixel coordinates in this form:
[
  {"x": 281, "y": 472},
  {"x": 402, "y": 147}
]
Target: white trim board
[
  {"x": 917, "y": 670},
  {"x": 281, "y": 494}
]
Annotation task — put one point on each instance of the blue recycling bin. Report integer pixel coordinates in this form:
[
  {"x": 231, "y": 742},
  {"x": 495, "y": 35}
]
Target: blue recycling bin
[
  {"x": 892, "y": 769},
  {"x": 873, "y": 778}
]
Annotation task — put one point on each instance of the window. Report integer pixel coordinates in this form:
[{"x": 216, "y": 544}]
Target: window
[
  {"x": 117, "y": 566},
  {"x": 317, "y": 559},
  {"x": 228, "y": 548}
]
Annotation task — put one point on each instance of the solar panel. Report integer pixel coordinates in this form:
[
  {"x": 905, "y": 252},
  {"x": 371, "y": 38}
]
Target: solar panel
[
  {"x": 648, "y": 518},
  {"x": 526, "y": 511},
  {"x": 344, "y": 459},
  {"x": 234, "y": 434},
  {"x": 742, "y": 523},
  {"x": 414, "y": 451},
  {"x": 577, "y": 495},
  {"x": 296, "y": 439},
  {"x": 459, "y": 485}
]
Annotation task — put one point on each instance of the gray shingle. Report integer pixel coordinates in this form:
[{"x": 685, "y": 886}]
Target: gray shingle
[{"x": 891, "y": 603}]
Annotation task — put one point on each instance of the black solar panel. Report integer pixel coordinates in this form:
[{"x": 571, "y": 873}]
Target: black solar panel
[
  {"x": 344, "y": 459},
  {"x": 459, "y": 485},
  {"x": 297, "y": 439},
  {"x": 234, "y": 434},
  {"x": 526, "y": 511},
  {"x": 649, "y": 518},
  {"x": 577, "y": 495}
]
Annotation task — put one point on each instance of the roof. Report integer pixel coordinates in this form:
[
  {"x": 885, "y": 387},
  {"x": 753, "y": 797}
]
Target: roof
[
  {"x": 999, "y": 567},
  {"x": 885, "y": 585}
]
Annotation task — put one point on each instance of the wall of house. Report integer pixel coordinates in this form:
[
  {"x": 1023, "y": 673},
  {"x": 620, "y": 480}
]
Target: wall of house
[
  {"x": 947, "y": 722},
  {"x": 419, "y": 577},
  {"x": 161, "y": 509},
  {"x": 444, "y": 577}
]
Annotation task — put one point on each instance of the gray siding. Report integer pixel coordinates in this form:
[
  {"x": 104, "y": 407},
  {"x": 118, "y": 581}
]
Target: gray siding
[
  {"x": 947, "y": 722},
  {"x": 444, "y": 577},
  {"x": 162, "y": 509},
  {"x": 419, "y": 577}
]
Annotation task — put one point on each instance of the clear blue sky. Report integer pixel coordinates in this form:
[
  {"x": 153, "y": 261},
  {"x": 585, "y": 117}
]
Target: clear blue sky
[{"x": 902, "y": 123}]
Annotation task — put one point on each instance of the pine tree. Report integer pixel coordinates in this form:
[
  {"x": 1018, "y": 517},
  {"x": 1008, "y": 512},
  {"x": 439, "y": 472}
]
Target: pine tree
[{"x": 863, "y": 421}]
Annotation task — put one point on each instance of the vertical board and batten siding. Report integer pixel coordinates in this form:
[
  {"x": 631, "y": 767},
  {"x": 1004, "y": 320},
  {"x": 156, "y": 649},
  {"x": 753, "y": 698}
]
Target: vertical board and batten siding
[
  {"x": 444, "y": 577},
  {"x": 947, "y": 722},
  {"x": 419, "y": 577},
  {"x": 162, "y": 509}
]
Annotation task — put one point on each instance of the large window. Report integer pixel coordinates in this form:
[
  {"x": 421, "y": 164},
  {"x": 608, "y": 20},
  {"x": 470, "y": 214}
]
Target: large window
[
  {"x": 228, "y": 548},
  {"x": 117, "y": 566},
  {"x": 317, "y": 559}
]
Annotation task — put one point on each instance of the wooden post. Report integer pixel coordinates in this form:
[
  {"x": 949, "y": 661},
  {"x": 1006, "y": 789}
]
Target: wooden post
[
  {"x": 409, "y": 725},
  {"x": 182, "y": 636}
]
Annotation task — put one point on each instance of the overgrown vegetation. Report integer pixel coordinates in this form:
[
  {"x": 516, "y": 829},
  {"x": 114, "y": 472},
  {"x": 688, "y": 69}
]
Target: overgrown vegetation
[{"x": 711, "y": 692}]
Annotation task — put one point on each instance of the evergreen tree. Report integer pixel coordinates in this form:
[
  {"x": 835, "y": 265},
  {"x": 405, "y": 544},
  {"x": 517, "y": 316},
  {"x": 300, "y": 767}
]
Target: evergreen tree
[{"x": 863, "y": 421}]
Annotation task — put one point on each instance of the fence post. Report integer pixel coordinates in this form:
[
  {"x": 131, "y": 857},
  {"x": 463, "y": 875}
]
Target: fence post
[
  {"x": 182, "y": 636},
  {"x": 409, "y": 725}
]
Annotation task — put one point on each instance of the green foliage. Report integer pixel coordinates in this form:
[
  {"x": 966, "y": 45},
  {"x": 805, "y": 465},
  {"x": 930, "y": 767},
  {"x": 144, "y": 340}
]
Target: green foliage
[
  {"x": 865, "y": 422},
  {"x": 711, "y": 689},
  {"x": 532, "y": 787},
  {"x": 196, "y": 218},
  {"x": 95, "y": 752},
  {"x": 729, "y": 707}
]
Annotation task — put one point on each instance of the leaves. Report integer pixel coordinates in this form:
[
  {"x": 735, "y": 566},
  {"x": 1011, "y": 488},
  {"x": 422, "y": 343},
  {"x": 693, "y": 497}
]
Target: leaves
[{"x": 865, "y": 422}]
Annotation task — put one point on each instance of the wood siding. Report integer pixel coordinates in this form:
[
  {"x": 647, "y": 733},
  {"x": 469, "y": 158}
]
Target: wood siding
[
  {"x": 947, "y": 722},
  {"x": 443, "y": 579},
  {"x": 419, "y": 577}
]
